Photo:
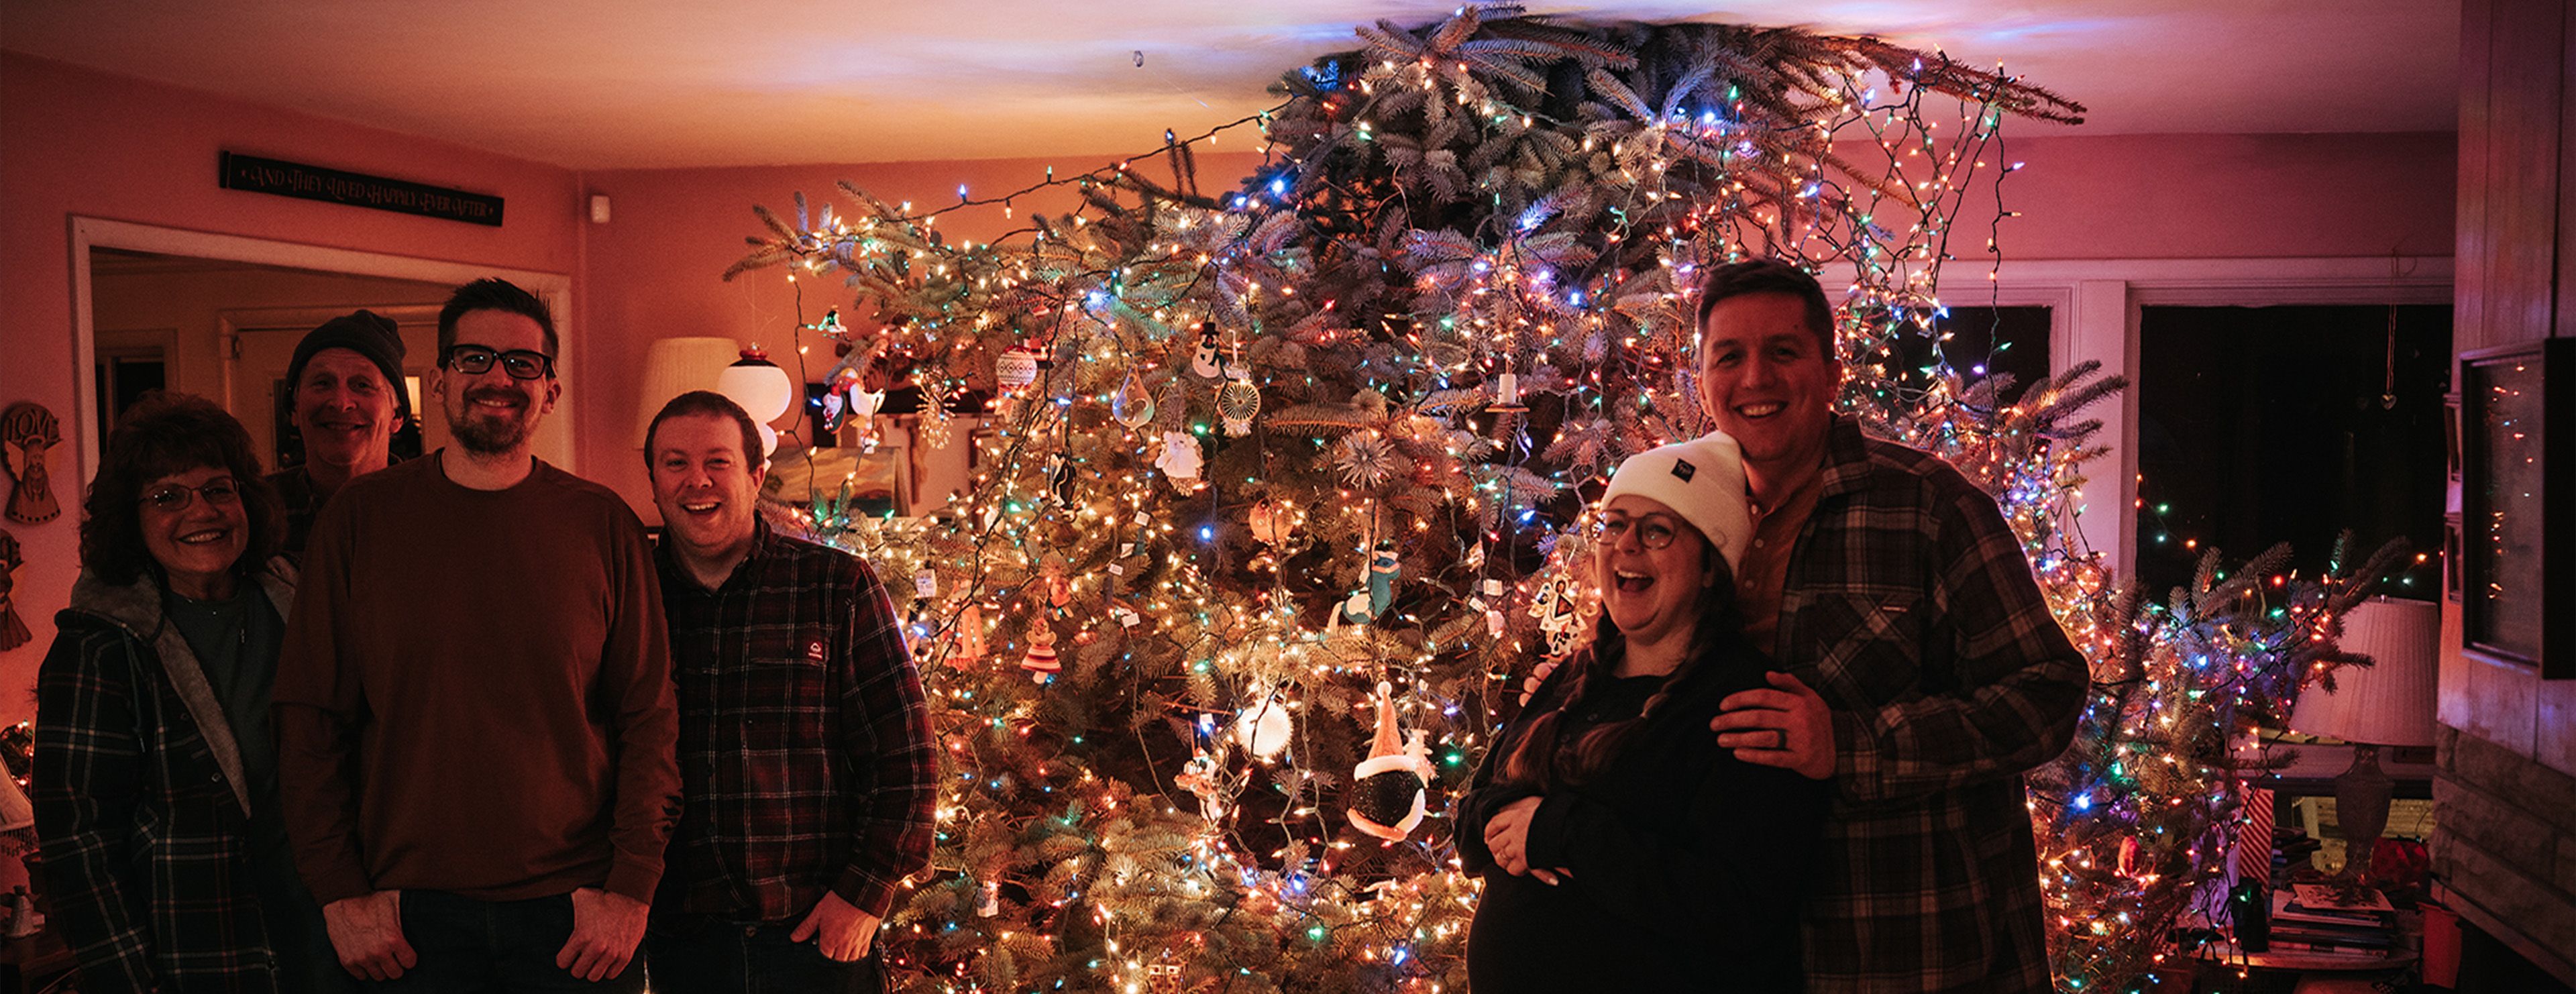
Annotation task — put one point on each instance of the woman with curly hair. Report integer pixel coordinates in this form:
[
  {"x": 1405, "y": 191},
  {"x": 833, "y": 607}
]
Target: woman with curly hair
[
  {"x": 155, "y": 775},
  {"x": 1622, "y": 848}
]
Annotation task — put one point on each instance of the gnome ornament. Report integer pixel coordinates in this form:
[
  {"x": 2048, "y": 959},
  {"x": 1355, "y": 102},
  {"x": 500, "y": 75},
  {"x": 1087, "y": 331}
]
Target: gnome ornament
[
  {"x": 1389, "y": 789},
  {"x": 28, "y": 434},
  {"x": 1041, "y": 661}
]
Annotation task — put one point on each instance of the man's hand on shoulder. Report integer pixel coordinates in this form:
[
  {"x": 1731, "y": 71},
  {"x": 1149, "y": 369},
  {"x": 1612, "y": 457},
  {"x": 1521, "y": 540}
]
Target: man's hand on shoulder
[
  {"x": 838, "y": 928},
  {"x": 605, "y": 931},
  {"x": 1787, "y": 726},
  {"x": 366, "y": 931}
]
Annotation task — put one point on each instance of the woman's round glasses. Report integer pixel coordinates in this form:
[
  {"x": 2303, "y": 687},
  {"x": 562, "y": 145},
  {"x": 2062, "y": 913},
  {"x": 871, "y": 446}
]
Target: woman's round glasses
[
  {"x": 175, "y": 497},
  {"x": 1652, "y": 533}
]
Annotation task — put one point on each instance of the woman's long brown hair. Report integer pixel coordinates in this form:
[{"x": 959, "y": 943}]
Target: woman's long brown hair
[{"x": 1535, "y": 759}]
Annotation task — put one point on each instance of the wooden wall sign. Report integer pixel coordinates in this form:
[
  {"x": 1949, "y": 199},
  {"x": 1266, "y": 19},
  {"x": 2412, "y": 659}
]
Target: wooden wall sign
[{"x": 295, "y": 179}]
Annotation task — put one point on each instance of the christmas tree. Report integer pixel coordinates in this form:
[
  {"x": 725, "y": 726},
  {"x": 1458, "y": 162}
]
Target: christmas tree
[{"x": 1284, "y": 483}]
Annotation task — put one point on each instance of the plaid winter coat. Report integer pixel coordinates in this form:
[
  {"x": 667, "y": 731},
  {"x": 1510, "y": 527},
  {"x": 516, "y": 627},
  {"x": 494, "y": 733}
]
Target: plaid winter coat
[{"x": 142, "y": 808}]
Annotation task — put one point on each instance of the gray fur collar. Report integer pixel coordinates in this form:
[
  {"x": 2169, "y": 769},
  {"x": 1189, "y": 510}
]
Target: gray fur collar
[{"x": 136, "y": 608}]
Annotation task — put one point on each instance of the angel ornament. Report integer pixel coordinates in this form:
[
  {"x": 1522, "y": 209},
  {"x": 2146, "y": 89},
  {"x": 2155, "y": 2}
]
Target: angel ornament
[
  {"x": 28, "y": 434},
  {"x": 1389, "y": 789}
]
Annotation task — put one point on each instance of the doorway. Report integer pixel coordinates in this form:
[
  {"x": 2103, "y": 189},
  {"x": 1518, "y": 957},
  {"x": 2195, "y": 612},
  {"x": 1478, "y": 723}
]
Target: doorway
[{"x": 219, "y": 316}]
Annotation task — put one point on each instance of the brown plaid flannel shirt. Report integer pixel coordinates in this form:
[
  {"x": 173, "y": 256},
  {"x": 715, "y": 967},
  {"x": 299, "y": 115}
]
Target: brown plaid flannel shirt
[
  {"x": 806, "y": 756},
  {"x": 1911, "y": 609}
]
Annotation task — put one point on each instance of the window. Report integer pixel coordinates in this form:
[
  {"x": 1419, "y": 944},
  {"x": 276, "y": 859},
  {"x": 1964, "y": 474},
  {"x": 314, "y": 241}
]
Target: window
[{"x": 2268, "y": 424}]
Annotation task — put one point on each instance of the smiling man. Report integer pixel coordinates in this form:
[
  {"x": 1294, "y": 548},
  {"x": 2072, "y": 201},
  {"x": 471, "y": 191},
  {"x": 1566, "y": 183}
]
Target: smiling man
[
  {"x": 346, "y": 392},
  {"x": 1890, "y": 585},
  {"x": 474, "y": 706},
  {"x": 806, "y": 760}
]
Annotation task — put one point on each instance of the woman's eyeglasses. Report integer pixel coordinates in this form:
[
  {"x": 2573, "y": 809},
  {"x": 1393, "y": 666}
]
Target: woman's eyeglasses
[
  {"x": 175, "y": 497},
  {"x": 1652, "y": 533},
  {"x": 521, "y": 364}
]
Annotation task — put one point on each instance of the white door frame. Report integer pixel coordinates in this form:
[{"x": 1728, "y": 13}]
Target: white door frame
[{"x": 90, "y": 232}]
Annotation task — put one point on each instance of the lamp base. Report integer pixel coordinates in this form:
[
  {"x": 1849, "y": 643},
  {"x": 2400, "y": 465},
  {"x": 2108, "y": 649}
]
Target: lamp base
[{"x": 2361, "y": 806}]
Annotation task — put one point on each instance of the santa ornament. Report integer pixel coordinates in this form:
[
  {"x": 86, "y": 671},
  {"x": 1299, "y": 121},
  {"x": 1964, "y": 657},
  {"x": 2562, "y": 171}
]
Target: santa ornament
[
  {"x": 1180, "y": 460},
  {"x": 1390, "y": 789}
]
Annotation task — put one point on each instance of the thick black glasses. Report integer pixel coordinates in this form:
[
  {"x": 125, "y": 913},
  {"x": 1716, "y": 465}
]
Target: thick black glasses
[
  {"x": 175, "y": 497},
  {"x": 1652, "y": 533},
  {"x": 521, "y": 364}
]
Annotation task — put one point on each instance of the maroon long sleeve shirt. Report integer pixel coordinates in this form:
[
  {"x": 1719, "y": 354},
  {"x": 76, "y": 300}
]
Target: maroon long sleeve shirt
[{"x": 475, "y": 694}]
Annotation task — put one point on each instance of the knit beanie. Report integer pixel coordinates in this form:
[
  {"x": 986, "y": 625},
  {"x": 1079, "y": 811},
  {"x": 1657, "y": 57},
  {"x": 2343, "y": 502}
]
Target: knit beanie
[
  {"x": 1702, "y": 480},
  {"x": 365, "y": 333}
]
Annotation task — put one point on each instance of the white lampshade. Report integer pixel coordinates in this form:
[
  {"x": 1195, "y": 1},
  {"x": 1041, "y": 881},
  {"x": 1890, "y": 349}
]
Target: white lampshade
[
  {"x": 2392, "y": 702},
  {"x": 763, "y": 389},
  {"x": 674, "y": 366}
]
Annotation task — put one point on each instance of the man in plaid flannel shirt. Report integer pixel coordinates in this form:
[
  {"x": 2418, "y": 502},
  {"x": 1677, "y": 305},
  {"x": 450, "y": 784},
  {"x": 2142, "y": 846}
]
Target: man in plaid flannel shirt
[
  {"x": 806, "y": 759},
  {"x": 1891, "y": 586}
]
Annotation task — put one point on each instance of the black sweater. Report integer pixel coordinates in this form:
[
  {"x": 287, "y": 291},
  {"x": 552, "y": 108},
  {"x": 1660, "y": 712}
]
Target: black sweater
[{"x": 1689, "y": 865}]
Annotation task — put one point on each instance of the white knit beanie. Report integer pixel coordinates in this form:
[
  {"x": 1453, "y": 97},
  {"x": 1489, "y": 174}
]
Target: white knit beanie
[{"x": 1702, "y": 480}]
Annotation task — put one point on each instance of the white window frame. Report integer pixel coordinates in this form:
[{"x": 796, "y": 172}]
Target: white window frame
[{"x": 2094, "y": 307}]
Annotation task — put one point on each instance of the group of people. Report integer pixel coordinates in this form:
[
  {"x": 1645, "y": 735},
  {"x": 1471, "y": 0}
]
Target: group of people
[
  {"x": 489, "y": 738},
  {"x": 453, "y": 723},
  {"x": 1791, "y": 757}
]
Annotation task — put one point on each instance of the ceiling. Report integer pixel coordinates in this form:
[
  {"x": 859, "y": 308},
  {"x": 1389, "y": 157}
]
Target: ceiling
[{"x": 595, "y": 84}]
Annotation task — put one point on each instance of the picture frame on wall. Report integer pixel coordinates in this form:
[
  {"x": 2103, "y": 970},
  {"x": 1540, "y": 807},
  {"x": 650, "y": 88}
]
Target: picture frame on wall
[{"x": 2518, "y": 456}]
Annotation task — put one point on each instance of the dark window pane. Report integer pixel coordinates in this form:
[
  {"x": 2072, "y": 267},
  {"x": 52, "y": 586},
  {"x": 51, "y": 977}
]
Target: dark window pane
[
  {"x": 2260, "y": 425},
  {"x": 1983, "y": 341}
]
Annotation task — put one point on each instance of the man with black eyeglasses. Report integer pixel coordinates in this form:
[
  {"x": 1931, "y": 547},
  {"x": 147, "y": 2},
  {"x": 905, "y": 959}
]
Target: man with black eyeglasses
[{"x": 474, "y": 707}]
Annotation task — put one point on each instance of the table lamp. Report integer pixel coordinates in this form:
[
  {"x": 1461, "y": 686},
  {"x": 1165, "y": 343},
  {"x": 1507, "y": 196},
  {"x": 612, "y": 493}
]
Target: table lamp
[
  {"x": 674, "y": 366},
  {"x": 2390, "y": 703}
]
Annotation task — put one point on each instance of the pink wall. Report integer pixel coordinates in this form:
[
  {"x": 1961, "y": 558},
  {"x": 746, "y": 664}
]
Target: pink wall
[
  {"x": 76, "y": 142},
  {"x": 2201, "y": 196}
]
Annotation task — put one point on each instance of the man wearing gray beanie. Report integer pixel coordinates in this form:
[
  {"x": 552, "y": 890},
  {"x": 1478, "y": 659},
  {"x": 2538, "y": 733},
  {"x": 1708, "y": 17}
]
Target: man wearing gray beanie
[{"x": 346, "y": 387}]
